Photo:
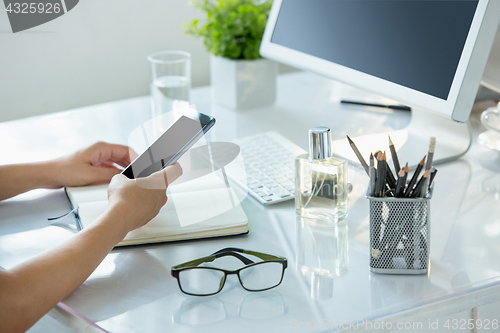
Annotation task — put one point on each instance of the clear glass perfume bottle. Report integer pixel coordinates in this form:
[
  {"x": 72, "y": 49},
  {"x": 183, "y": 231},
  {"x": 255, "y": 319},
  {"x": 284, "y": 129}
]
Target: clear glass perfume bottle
[{"x": 321, "y": 181}]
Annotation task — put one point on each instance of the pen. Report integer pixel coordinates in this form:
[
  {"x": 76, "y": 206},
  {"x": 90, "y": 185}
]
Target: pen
[{"x": 387, "y": 106}]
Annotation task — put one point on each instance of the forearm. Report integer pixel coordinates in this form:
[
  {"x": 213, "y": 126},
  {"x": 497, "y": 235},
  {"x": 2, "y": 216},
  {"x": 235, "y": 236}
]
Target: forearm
[
  {"x": 18, "y": 178},
  {"x": 31, "y": 289}
]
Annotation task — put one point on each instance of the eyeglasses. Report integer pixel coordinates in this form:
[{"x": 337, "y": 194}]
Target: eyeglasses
[{"x": 254, "y": 276}]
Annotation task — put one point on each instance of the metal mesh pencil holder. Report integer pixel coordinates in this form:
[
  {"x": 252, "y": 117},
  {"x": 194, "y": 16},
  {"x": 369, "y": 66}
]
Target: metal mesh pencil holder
[{"x": 399, "y": 235}]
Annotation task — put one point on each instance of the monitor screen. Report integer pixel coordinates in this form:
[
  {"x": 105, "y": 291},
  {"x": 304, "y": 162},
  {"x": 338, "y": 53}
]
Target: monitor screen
[{"x": 414, "y": 43}]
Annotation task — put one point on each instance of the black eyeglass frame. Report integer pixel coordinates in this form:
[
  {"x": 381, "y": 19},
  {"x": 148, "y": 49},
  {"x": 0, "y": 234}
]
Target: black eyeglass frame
[{"x": 230, "y": 251}]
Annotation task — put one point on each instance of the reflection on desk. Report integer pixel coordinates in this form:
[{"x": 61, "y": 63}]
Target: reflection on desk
[
  {"x": 322, "y": 254},
  {"x": 206, "y": 311}
]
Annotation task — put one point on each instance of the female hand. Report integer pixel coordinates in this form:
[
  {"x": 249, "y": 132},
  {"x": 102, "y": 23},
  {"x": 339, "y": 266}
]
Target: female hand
[
  {"x": 95, "y": 164},
  {"x": 137, "y": 201},
  {"x": 90, "y": 166}
]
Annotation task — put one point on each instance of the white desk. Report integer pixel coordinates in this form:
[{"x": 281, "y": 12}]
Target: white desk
[{"x": 132, "y": 290}]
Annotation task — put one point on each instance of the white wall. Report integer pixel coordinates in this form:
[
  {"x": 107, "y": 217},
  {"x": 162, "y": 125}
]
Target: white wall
[{"x": 95, "y": 53}]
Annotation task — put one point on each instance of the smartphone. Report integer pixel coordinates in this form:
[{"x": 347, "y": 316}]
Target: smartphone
[{"x": 171, "y": 145}]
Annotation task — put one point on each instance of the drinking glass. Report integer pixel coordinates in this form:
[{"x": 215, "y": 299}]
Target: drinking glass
[{"x": 170, "y": 81}]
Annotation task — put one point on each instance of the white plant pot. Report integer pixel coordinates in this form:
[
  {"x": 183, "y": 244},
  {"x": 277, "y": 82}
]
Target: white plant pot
[{"x": 243, "y": 84}]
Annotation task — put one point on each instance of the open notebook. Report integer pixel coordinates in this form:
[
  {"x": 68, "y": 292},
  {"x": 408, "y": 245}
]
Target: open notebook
[{"x": 197, "y": 209}]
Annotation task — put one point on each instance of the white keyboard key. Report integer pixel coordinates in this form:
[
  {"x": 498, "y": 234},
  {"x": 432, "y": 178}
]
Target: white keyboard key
[
  {"x": 269, "y": 163},
  {"x": 280, "y": 191}
]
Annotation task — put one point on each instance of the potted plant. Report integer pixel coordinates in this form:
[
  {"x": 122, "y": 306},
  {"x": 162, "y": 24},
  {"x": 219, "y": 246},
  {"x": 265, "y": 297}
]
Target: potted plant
[{"x": 232, "y": 33}]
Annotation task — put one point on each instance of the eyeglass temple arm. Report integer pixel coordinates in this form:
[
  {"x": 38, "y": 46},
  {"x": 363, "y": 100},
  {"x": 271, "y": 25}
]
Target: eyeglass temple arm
[
  {"x": 210, "y": 258},
  {"x": 260, "y": 255},
  {"x": 244, "y": 260},
  {"x": 229, "y": 251},
  {"x": 196, "y": 262}
]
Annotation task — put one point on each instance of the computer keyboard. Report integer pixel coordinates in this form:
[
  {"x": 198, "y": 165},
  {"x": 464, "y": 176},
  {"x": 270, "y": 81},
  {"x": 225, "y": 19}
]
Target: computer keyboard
[{"x": 269, "y": 164}]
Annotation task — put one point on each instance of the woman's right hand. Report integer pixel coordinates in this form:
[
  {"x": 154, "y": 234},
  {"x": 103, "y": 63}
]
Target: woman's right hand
[{"x": 137, "y": 201}]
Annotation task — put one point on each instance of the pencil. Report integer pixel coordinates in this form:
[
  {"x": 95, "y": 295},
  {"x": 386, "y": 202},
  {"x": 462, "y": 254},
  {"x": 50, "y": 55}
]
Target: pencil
[
  {"x": 358, "y": 155},
  {"x": 399, "y": 185},
  {"x": 425, "y": 186},
  {"x": 373, "y": 175},
  {"x": 414, "y": 178},
  {"x": 379, "y": 188},
  {"x": 433, "y": 174},
  {"x": 373, "y": 180},
  {"x": 430, "y": 155},
  {"x": 394, "y": 155},
  {"x": 402, "y": 180},
  {"x": 387, "y": 170},
  {"x": 391, "y": 181},
  {"x": 387, "y": 187},
  {"x": 421, "y": 183}
]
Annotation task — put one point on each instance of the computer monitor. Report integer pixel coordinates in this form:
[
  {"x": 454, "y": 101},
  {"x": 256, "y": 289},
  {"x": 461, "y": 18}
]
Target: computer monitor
[
  {"x": 491, "y": 76},
  {"x": 424, "y": 53}
]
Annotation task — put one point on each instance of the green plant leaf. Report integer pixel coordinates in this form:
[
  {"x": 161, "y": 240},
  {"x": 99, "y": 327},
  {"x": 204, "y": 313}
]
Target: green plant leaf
[{"x": 232, "y": 28}]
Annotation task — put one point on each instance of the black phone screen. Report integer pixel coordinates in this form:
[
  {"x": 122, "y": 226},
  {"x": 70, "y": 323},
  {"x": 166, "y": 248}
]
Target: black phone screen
[{"x": 168, "y": 145}]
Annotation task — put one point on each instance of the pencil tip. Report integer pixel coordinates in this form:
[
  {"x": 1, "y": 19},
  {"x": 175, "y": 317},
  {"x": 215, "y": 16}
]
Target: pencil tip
[
  {"x": 427, "y": 173},
  {"x": 390, "y": 141},
  {"x": 422, "y": 161},
  {"x": 407, "y": 168},
  {"x": 348, "y": 138}
]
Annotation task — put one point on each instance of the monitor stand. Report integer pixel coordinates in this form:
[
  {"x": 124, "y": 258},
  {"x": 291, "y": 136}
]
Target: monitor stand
[{"x": 412, "y": 143}]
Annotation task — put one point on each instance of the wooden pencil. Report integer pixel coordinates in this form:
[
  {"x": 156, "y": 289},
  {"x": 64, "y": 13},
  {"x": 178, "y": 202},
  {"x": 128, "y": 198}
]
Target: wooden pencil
[
  {"x": 379, "y": 188},
  {"x": 391, "y": 180},
  {"x": 421, "y": 183},
  {"x": 430, "y": 155},
  {"x": 414, "y": 178},
  {"x": 399, "y": 185},
  {"x": 358, "y": 155},
  {"x": 403, "y": 175},
  {"x": 433, "y": 174},
  {"x": 394, "y": 155},
  {"x": 373, "y": 175}
]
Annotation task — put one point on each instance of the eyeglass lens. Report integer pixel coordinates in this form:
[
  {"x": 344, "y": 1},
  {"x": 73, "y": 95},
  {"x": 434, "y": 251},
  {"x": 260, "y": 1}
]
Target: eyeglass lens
[
  {"x": 200, "y": 281},
  {"x": 206, "y": 281},
  {"x": 262, "y": 276}
]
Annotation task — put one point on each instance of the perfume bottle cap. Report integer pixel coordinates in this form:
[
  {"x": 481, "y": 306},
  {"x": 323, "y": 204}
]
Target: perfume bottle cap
[{"x": 319, "y": 143}]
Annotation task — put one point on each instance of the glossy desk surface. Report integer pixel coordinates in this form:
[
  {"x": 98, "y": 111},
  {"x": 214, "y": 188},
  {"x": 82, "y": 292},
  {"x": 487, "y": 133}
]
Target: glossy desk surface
[{"x": 132, "y": 290}]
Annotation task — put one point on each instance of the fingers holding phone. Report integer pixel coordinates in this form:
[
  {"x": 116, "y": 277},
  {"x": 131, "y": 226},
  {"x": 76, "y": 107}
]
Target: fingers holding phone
[
  {"x": 140, "y": 200},
  {"x": 160, "y": 180}
]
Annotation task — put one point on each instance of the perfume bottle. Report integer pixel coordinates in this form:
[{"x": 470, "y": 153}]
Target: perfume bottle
[{"x": 321, "y": 181}]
